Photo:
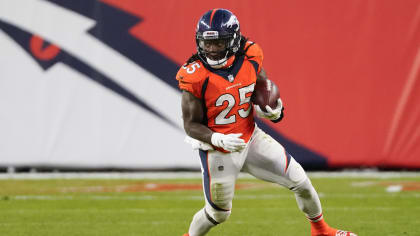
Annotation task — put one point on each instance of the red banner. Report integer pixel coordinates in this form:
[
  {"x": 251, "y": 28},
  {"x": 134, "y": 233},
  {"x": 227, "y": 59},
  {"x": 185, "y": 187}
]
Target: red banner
[{"x": 348, "y": 71}]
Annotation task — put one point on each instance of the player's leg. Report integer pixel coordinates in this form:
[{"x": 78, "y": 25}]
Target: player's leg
[
  {"x": 268, "y": 160},
  {"x": 220, "y": 171}
]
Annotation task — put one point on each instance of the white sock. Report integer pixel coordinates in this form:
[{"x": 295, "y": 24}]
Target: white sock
[
  {"x": 308, "y": 200},
  {"x": 200, "y": 225}
]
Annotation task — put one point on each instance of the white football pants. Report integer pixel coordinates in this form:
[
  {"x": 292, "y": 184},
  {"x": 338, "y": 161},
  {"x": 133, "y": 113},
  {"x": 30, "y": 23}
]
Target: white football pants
[{"x": 264, "y": 158}]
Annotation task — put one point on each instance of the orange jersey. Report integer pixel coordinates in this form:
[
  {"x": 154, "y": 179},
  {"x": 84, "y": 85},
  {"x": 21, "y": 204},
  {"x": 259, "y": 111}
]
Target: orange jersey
[{"x": 226, "y": 93}]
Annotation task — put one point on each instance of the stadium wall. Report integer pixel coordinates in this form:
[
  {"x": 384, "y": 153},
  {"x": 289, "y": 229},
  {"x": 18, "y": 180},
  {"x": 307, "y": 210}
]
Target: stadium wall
[{"x": 90, "y": 84}]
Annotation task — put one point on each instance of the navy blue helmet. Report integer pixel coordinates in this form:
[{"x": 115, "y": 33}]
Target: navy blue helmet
[{"x": 217, "y": 27}]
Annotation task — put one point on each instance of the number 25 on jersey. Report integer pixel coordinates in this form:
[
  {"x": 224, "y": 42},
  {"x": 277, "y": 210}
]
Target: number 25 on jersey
[{"x": 221, "y": 118}]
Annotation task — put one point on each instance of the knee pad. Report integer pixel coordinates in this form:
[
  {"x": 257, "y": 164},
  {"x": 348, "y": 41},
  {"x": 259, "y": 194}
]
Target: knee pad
[
  {"x": 304, "y": 189},
  {"x": 216, "y": 216},
  {"x": 307, "y": 199},
  {"x": 218, "y": 210},
  {"x": 295, "y": 175},
  {"x": 222, "y": 194}
]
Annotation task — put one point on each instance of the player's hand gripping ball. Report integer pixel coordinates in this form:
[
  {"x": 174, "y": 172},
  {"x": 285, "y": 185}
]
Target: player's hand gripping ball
[{"x": 265, "y": 93}]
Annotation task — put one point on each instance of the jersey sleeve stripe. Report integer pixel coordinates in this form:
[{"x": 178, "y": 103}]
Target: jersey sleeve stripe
[{"x": 256, "y": 66}]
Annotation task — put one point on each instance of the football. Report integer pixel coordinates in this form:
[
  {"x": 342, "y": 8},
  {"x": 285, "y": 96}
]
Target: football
[{"x": 265, "y": 93}]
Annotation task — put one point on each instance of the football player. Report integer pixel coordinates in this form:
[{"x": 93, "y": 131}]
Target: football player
[{"x": 217, "y": 84}]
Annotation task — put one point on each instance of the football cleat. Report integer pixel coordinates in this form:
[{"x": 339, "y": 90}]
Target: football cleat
[
  {"x": 328, "y": 231},
  {"x": 321, "y": 228},
  {"x": 186, "y": 235},
  {"x": 332, "y": 232},
  {"x": 344, "y": 233}
]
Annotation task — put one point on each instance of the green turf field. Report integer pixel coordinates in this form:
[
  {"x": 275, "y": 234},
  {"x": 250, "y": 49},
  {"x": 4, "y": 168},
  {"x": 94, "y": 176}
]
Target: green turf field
[{"x": 165, "y": 207}]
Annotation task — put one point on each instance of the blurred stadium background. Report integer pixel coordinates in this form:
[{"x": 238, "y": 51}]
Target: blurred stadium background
[{"x": 89, "y": 85}]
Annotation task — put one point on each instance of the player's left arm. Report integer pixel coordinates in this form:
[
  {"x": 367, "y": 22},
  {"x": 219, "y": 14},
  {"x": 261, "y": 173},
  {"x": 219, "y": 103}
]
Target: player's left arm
[
  {"x": 255, "y": 53},
  {"x": 276, "y": 114},
  {"x": 262, "y": 75}
]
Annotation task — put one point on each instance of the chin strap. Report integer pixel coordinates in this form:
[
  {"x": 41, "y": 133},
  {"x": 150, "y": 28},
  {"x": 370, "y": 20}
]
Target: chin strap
[
  {"x": 225, "y": 64},
  {"x": 216, "y": 64}
]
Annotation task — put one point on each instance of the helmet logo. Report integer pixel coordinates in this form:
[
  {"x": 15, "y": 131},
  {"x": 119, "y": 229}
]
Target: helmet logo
[{"x": 231, "y": 22}]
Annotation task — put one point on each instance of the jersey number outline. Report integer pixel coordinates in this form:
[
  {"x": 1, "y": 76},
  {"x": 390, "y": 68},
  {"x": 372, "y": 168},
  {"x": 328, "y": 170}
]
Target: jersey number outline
[
  {"x": 191, "y": 69},
  {"x": 221, "y": 118}
]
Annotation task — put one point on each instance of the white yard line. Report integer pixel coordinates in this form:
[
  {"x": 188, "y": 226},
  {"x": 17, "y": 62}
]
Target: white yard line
[
  {"x": 141, "y": 197},
  {"x": 195, "y": 175}
]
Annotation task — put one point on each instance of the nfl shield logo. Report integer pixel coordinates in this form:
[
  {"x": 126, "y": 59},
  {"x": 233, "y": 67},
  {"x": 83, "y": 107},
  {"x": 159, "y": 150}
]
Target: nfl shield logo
[{"x": 230, "y": 77}]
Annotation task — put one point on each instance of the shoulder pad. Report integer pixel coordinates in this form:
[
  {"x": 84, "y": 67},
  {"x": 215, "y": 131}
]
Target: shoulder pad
[
  {"x": 254, "y": 53},
  {"x": 254, "y": 50},
  {"x": 191, "y": 77}
]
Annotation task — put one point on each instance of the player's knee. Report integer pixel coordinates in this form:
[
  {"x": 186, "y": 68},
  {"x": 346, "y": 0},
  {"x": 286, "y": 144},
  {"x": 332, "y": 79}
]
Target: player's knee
[
  {"x": 217, "y": 216},
  {"x": 218, "y": 211},
  {"x": 304, "y": 189},
  {"x": 296, "y": 175},
  {"x": 222, "y": 194},
  {"x": 221, "y": 216}
]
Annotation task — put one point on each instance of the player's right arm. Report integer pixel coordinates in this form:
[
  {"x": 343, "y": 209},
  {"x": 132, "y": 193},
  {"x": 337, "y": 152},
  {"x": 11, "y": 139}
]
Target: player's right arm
[
  {"x": 193, "y": 116},
  {"x": 190, "y": 79}
]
